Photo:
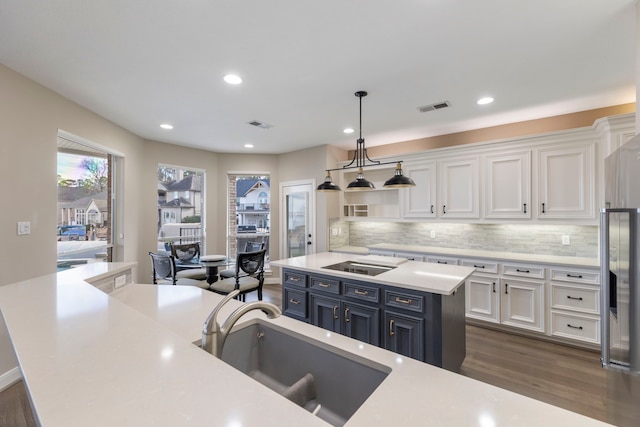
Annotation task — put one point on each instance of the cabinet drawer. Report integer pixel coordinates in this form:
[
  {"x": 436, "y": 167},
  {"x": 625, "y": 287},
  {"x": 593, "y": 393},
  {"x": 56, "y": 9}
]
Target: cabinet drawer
[
  {"x": 361, "y": 292},
  {"x": 404, "y": 300},
  {"x": 436, "y": 259},
  {"x": 295, "y": 303},
  {"x": 409, "y": 256},
  {"x": 576, "y": 276},
  {"x": 325, "y": 284},
  {"x": 521, "y": 270},
  {"x": 295, "y": 279},
  {"x": 576, "y": 327},
  {"x": 576, "y": 298},
  {"x": 481, "y": 266}
]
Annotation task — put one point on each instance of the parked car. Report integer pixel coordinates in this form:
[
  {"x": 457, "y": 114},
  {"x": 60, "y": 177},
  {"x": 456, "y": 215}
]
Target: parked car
[{"x": 72, "y": 232}]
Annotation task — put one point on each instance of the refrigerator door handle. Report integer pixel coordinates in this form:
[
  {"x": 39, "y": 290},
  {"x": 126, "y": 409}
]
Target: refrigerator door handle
[{"x": 605, "y": 350}]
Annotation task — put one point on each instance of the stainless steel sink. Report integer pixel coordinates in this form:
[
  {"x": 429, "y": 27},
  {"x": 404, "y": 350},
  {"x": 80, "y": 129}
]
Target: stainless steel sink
[{"x": 279, "y": 358}]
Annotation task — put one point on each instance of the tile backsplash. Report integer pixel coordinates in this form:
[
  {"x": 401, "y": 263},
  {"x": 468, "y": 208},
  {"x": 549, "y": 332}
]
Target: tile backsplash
[{"x": 520, "y": 238}]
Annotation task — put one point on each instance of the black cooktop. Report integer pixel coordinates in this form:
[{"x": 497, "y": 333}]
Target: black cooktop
[{"x": 359, "y": 268}]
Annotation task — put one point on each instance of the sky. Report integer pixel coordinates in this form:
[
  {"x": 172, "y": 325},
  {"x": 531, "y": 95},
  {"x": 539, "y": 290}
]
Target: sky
[{"x": 69, "y": 166}]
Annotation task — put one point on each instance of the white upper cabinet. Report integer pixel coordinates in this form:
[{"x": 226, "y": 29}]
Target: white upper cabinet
[
  {"x": 566, "y": 182},
  {"x": 507, "y": 186},
  {"x": 458, "y": 188},
  {"x": 420, "y": 201}
]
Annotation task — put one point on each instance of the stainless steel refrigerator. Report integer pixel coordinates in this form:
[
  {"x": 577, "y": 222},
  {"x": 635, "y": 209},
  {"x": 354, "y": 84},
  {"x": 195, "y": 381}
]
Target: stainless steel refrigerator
[{"x": 620, "y": 278}]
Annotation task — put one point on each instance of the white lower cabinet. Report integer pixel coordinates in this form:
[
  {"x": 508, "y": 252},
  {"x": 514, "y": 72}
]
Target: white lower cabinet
[
  {"x": 522, "y": 303},
  {"x": 483, "y": 298},
  {"x": 575, "y": 304}
]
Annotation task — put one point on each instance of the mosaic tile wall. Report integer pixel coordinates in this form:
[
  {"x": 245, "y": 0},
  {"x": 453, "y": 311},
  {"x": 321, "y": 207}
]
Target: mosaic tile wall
[{"x": 520, "y": 238}]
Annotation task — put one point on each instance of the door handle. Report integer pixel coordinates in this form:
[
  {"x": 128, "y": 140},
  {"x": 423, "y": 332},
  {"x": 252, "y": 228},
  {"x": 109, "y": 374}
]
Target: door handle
[
  {"x": 335, "y": 311},
  {"x": 346, "y": 315},
  {"x": 391, "y": 324}
]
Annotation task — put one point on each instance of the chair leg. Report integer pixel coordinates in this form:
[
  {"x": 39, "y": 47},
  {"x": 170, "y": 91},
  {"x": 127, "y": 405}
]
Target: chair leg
[{"x": 260, "y": 294}]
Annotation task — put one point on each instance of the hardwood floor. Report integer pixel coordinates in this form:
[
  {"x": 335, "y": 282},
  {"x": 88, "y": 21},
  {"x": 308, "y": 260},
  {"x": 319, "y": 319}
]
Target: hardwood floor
[{"x": 563, "y": 376}]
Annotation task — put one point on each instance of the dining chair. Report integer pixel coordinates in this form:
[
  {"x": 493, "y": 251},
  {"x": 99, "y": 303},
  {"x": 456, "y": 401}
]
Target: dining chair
[
  {"x": 187, "y": 253},
  {"x": 248, "y": 247},
  {"x": 248, "y": 276},
  {"x": 164, "y": 272}
]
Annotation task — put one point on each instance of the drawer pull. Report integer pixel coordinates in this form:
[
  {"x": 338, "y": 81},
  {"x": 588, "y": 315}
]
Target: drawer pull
[
  {"x": 294, "y": 301},
  {"x": 575, "y": 298},
  {"x": 346, "y": 315},
  {"x": 575, "y": 276},
  {"x": 442, "y": 262},
  {"x": 574, "y": 327},
  {"x": 335, "y": 311},
  {"x": 404, "y": 301},
  {"x": 324, "y": 285},
  {"x": 294, "y": 279},
  {"x": 478, "y": 266},
  {"x": 359, "y": 292},
  {"x": 391, "y": 333},
  {"x": 523, "y": 271}
]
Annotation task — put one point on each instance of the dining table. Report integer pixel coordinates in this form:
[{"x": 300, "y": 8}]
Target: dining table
[{"x": 211, "y": 264}]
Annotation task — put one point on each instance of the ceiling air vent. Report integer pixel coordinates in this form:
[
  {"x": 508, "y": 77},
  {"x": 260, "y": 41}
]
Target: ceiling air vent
[
  {"x": 436, "y": 106},
  {"x": 260, "y": 124}
]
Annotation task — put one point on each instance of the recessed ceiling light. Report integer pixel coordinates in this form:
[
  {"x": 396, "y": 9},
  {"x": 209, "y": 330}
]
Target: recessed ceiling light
[
  {"x": 485, "y": 100},
  {"x": 166, "y": 126},
  {"x": 248, "y": 145},
  {"x": 348, "y": 130},
  {"x": 232, "y": 79}
]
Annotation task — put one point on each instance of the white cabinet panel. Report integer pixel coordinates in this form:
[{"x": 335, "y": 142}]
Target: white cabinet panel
[
  {"x": 566, "y": 182},
  {"x": 522, "y": 304},
  {"x": 483, "y": 298},
  {"x": 420, "y": 201},
  {"x": 459, "y": 188},
  {"x": 508, "y": 185}
]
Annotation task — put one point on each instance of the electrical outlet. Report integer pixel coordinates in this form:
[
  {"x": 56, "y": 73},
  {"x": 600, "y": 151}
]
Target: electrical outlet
[
  {"x": 334, "y": 231},
  {"x": 566, "y": 240},
  {"x": 120, "y": 281},
  {"x": 433, "y": 234}
]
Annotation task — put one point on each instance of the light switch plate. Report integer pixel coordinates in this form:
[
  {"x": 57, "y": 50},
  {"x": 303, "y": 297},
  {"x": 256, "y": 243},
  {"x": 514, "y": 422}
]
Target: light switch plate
[
  {"x": 120, "y": 281},
  {"x": 24, "y": 227}
]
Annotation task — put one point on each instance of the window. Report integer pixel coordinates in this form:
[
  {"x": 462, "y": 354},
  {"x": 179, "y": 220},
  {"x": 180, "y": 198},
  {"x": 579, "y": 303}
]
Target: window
[
  {"x": 86, "y": 202},
  {"x": 249, "y": 211},
  {"x": 180, "y": 201}
]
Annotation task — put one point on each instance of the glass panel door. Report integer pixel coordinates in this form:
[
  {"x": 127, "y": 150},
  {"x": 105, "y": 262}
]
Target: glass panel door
[{"x": 299, "y": 239}]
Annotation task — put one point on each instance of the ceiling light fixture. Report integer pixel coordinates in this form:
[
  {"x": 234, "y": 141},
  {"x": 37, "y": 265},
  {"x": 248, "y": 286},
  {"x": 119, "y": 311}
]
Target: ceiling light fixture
[
  {"x": 360, "y": 158},
  {"x": 485, "y": 100},
  {"x": 232, "y": 79},
  {"x": 348, "y": 130},
  {"x": 166, "y": 126},
  {"x": 248, "y": 145}
]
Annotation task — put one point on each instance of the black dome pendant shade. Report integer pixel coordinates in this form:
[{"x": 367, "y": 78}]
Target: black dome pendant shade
[{"x": 360, "y": 158}]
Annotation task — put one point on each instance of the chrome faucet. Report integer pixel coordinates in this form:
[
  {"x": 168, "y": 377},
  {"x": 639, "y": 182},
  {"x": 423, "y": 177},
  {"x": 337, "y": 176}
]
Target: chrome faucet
[{"x": 214, "y": 335}]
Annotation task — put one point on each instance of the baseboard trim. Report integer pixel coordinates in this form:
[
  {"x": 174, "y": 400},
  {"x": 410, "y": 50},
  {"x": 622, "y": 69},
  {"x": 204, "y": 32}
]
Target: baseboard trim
[{"x": 9, "y": 378}]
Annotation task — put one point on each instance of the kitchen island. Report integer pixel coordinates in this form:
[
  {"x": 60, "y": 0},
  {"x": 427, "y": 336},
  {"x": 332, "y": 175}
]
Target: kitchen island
[
  {"x": 127, "y": 359},
  {"x": 412, "y": 308}
]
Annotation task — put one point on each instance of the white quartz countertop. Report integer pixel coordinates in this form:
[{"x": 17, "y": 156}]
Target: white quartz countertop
[
  {"x": 472, "y": 253},
  {"x": 127, "y": 359},
  {"x": 426, "y": 277}
]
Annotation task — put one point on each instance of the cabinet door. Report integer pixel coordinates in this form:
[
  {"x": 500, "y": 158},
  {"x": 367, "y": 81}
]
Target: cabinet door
[
  {"x": 361, "y": 322},
  {"x": 404, "y": 334},
  {"x": 566, "y": 185},
  {"x": 508, "y": 185},
  {"x": 325, "y": 312},
  {"x": 522, "y": 304},
  {"x": 483, "y": 298},
  {"x": 420, "y": 201},
  {"x": 458, "y": 188}
]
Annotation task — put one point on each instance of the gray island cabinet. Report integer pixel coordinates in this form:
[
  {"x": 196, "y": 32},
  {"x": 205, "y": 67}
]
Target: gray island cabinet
[{"x": 413, "y": 309}]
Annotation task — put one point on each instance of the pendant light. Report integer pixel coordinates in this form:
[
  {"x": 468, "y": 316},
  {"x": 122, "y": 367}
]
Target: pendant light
[{"x": 360, "y": 157}]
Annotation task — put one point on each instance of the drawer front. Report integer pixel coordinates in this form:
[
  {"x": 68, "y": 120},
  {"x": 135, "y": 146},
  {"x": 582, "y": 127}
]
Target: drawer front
[
  {"x": 295, "y": 303},
  {"x": 481, "y": 266},
  {"x": 404, "y": 300},
  {"x": 295, "y": 279},
  {"x": 324, "y": 284},
  {"x": 442, "y": 260},
  {"x": 409, "y": 256},
  {"x": 576, "y": 327},
  {"x": 521, "y": 270},
  {"x": 576, "y": 276},
  {"x": 576, "y": 298},
  {"x": 361, "y": 292}
]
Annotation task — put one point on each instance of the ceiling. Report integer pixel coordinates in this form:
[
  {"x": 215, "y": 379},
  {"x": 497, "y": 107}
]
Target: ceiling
[{"x": 146, "y": 62}]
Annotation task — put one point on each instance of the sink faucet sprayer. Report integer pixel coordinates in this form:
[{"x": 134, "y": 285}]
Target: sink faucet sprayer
[{"x": 214, "y": 335}]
